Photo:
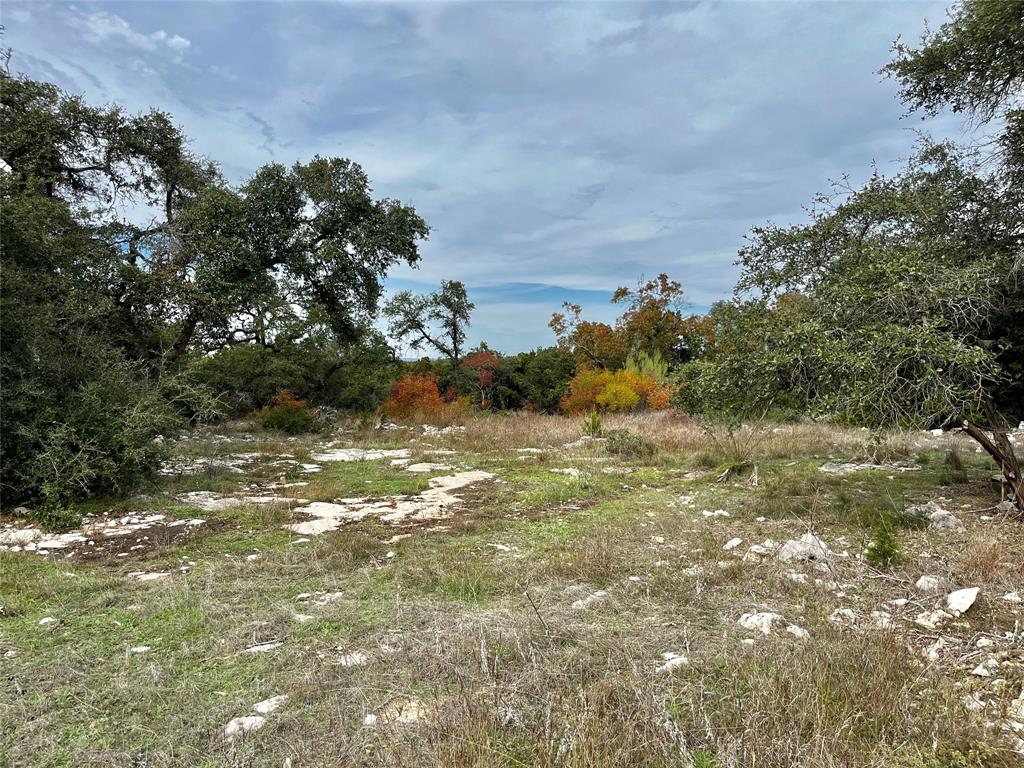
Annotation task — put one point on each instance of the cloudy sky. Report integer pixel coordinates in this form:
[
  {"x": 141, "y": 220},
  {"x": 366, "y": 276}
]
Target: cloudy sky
[{"x": 557, "y": 150}]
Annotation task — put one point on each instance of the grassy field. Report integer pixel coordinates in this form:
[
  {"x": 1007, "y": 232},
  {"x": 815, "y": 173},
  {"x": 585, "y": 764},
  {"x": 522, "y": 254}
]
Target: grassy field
[{"x": 579, "y": 608}]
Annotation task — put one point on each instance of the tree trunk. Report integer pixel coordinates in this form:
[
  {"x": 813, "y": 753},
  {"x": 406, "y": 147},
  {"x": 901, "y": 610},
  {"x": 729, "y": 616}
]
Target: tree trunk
[{"x": 1000, "y": 449}]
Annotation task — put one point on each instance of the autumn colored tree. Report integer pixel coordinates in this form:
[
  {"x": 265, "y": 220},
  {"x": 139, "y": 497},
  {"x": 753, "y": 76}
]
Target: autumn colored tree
[
  {"x": 653, "y": 322},
  {"x": 483, "y": 364},
  {"x": 593, "y": 344}
]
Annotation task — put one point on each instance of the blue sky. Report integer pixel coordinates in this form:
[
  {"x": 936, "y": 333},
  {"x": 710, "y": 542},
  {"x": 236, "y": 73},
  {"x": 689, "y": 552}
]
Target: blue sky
[{"x": 557, "y": 150}]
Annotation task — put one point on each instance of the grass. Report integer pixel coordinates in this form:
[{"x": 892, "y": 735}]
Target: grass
[{"x": 474, "y": 615}]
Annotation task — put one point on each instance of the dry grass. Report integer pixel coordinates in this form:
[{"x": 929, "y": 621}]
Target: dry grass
[{"x": 509, "y": 680}]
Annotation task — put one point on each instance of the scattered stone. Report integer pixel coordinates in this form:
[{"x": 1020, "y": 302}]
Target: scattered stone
[
  {"x": 352, "y": 659},
  {"x": 844, "y": 616},
  {"x": 590, "y": 600},
  {"x": 715, "y": 513},
  {"x": 846, "y": 468},
  {"x": 1011, "y": 597},
  {"x": 426, "y": 466},
  {"x": 431, "y": 504},
  {"x": 240, "y": 726},
  {"x": 402, "y": 710},
  {"x": 938, "y": 518},
  {"x": 796, "y": 576},
  {"x": 570, "y": 471},
  {"x": 140, "y": 649},
  {"x": 732, "y": 544},
  {"x": 272, "y": 704},
  {"x": 930, "y": 584},
  {"x": 799, "y": 632},
  {"x": 361, "y": 454},
  {"x": 761, "y": 622},
  {"x": 673, "y": 661},
  {"x": 47, "y": 621},
  {"x": 148, "y": 575},
  {"x": 960, "y": 601},
  {"x": 931, "y": 619},
  {"x": 807, "y": 547},
  {"x": 264, "y": 647}
]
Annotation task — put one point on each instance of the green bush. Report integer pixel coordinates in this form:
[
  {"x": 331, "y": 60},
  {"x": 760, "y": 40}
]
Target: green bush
[
  {"x": 884, "y": 549},
  {"x": 625, "y": 444},
  {"x": 287, "y": 413}
]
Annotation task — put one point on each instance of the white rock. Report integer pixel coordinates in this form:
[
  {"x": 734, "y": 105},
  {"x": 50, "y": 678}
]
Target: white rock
[
  {"x": 761, "y": 622},
  {"x": 240, "y": 726},
  {"x": 931, "y": 619},
  {"x": 590, "y": 600},
  {"x": 732, "y": 544},
  {"x": 264, "y": 647},
  {"x": 1011, "y": 597},
  {"x": 938, "y": 518},
  {"x": 797, "y": 577},
  {"x": 352, "y": 659},
  {"x": 673, "y": 661},
  {"x": 960, "y": 601},
  {"x": 47, "y": 621},
  {"x": 570, "y": 471},
  {"x": 796, "y": 631},
  {"x": 140, "y": 649},
  {"x": 930, "y": 584},
  {"x": 272, "y": 704},
  {"x": 424, "y": 467},
  {"x": 807, "y": 547},
  {"x": 845, "y": 616}
]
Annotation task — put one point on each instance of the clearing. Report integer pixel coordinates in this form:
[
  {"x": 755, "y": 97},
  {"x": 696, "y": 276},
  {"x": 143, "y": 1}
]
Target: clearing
[{"x": 510, "y": 593}]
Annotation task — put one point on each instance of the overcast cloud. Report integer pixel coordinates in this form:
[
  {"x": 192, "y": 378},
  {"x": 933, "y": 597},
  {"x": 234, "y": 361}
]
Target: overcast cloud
[{"x": 557, "y": 150}]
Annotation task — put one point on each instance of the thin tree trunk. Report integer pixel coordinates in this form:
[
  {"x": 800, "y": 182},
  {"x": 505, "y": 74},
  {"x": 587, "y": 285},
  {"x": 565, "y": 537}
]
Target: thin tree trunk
[{"x": 1000, "y": 449}]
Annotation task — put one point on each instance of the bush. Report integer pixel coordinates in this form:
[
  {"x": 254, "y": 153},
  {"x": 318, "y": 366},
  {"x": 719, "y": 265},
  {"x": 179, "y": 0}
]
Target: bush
[
  {"x": 884, "y": 549},
  {"x": 620, "y": 391},
  {"x": 417, "y": 397},
  {"x": 287, "y": 413},
  {"x": 628, "y": 445},
  {"x": 592, "y": 424}
]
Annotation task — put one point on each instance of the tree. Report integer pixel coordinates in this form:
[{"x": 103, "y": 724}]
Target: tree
[
  {"x": 652, "y": 322},
  {"x": 437, "y": 319},
  {"x": 912, "y": 310},
  {"x": 209, "y": 256},
  {"x": 484, "y": 365},
  {"x": 590, "y": 343},
  {"x": 124, "y": 252}
]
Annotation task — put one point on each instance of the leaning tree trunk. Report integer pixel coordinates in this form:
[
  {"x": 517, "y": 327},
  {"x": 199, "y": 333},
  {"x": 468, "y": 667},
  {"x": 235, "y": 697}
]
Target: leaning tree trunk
[{"x": 1000, "y": 448}]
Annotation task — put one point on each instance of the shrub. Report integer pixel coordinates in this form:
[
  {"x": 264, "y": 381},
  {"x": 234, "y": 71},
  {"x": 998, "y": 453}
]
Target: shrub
[
  {"x": 620, "y": 391},
  {"x": 884, "y": 549},
  {"x": 287, "y": 413},
  {"x": 417, "y": 397},
  {"x": 628, "y": 445},
  {"x": 592, "y": 424}
]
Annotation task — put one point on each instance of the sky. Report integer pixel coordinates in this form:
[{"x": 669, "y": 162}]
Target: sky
[{"x": 557, "y": 151}]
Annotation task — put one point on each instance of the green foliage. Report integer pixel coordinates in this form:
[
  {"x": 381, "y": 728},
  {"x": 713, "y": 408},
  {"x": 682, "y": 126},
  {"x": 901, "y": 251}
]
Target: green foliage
[
  {"x": 974, "y": 63},
  {"x": 287, "y": 413},
  {"x": 649, "y": 364},
  {"x": 628, "y": 445},
  {"x": 437, "y": 320},
  {"x": 906, "y": 290},
  {"x": 592, "y": 424},
  {"x": 102, "y": 317},
  {"x": 884, "y": 549},
  {"x": 537, "y": 379}
]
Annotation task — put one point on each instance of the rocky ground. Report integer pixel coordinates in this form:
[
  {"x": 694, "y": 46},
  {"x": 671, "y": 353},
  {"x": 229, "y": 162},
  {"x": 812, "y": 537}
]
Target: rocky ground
[{"x": 511, "y": 593}]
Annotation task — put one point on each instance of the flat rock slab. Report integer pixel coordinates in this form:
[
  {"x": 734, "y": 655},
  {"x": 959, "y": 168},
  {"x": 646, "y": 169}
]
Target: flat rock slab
[
  {"x": 361, "y": 454},
  {"x": 434, "y": 503}
]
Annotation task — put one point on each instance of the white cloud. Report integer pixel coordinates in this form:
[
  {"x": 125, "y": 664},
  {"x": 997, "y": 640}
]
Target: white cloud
[{"x": 102, "y": 26}]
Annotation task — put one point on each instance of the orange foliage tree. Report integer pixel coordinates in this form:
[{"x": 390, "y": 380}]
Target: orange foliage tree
[{"x": 483, "y": 364}]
